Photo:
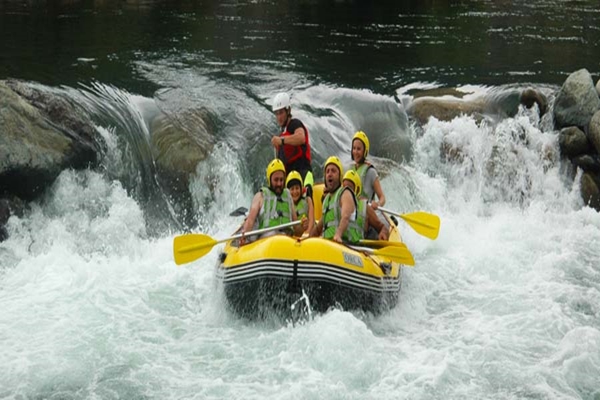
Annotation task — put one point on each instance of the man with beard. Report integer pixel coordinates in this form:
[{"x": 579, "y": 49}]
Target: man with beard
[
  {"x": 339, "y": 220},
  {"x": 273, "y": 205}
]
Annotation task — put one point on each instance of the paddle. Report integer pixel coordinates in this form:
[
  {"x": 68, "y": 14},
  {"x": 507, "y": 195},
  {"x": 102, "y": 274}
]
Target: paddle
[
  {"x": 422, "y": 222},
  {"x": 380, "y": 243},
  {"x": 397, "y": 254},
  {"x": 190, "y": 247},
  {"x": 238, "y": 212}
]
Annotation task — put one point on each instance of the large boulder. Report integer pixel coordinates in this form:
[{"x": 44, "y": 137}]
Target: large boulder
[
  {"x": 180, "y": 141},
  {"x": 573, "y": 142},
  {"x": 587, "y": 162},
  {"x": 594, "y": 131},
  {"x": 41, "y": 135},
  {"x": 501, "y": 103},
  {"x": 590, "y": 190},
  {"x": 443, "y": 109},
  {"x": 530, "y": 97},
  {"x": 576, "y": 101}
]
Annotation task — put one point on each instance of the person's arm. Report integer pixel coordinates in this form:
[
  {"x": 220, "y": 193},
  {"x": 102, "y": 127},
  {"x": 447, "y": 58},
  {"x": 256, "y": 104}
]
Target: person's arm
[
  {"x": 297, "y": 138},
  {"x": 348, "y": 207},
  {"x": 298, "y": 229},
  {"x": 253, "y": 213},
  {"x": 317, "y": 230},
  {"x": 311, "y": 214},
  {"x": 380, "y": 196},
  {"x": 373, "y": 220}
]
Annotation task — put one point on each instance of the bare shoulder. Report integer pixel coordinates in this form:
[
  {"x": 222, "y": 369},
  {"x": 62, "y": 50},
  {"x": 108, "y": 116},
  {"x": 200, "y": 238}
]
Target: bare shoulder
[
  {"x": 346, "y": 196},
  {"x": 258, "y": 198}
]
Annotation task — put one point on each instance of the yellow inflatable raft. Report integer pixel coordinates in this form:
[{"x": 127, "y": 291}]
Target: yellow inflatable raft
[{"x": 270, "y": 274}]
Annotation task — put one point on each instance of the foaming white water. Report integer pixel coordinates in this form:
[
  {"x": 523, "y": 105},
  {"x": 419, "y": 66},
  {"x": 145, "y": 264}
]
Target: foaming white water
[
  {"x": 504, "y": 304},
  {"x": 88, "y": 300},
  {"x": 218, "y": 189}
]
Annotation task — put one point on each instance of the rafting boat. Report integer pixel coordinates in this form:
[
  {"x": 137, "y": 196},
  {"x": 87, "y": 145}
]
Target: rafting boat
[{"x": 269, "y": 275}]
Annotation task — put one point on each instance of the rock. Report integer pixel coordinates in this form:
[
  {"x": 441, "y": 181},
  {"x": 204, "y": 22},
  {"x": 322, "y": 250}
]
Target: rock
[
  {"x": 443, "y": 109},
  {"x": 573, "y": 142},
  {"x": 594, "y": 131},
  {"x": 62, "y": 112},
  {"x": 503, "y": 103},
  {"x": 529, "y": 97},
  {"x": 35, "y": 146},
  {"x": 598, "y": 87},
  {"x": 590, "y": 190},
  {"x": 179, "y": 143},
  {"x": 439, "y": 92},
  {"x": 576, "y": 101},
  {"x": 587, "y": 162}
]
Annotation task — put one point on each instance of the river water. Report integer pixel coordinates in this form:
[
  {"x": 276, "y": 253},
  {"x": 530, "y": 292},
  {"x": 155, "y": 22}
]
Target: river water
[{"x": 505, "y": 304}]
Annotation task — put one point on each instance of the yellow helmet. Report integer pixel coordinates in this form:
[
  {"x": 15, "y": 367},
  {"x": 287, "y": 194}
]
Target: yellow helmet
[
  {"x": 274, "y": 166},
  {"x": 336, "y": 161},
  {"x": 360, "y": 135},
  {"x": 293, "y": 176},
  {"x": 353, "y": 177}
]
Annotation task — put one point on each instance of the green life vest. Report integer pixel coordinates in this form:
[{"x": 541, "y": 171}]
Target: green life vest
[
  {"x": 362, "y": 173},
  {"x": 276, "y": 210},
  {"x": 301, "y": 207},
  {"x": 361, "y": 219},
  {"x": 332, "y": 214}
]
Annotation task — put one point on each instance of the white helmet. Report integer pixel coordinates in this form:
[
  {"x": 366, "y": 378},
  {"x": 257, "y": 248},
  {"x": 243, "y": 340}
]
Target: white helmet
[{"x": 281, "y": 100}]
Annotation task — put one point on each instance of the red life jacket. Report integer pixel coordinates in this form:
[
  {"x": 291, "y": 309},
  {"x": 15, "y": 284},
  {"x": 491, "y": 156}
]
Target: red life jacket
[{"x": 293, "y": 153}]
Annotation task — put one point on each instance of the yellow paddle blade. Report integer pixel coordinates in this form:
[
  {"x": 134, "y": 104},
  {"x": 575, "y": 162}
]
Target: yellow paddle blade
[
  {"x": 380, "y": 243},
  {"x": 190, "y": 247},
  {"x": 397, "y": 254},
  {"x": 423, "y": 223}
]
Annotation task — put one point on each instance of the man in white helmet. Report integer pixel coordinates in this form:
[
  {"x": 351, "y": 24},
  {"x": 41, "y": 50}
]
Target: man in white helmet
[{"x": 292, "y": 144}]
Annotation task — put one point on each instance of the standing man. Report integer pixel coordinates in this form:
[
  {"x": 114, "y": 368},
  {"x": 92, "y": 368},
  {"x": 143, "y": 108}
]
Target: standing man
[{"x": 292, "y": 144}]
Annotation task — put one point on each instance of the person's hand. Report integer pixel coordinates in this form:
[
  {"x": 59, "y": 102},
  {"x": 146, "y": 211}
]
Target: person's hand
[
  {"x": 309, "y": 191},
  {"x": 304, "y": 223},
  {"x": 374, "y": 205},
  {"x": 243, "y": 239},
  {"x": 383, "y": 234},
  {"x": 276, "y": 141},
  {"x": 337, "y": 238}
]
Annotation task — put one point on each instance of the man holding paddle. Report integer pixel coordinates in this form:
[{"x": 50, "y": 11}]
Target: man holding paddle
[{"x": 273, "y": 206}]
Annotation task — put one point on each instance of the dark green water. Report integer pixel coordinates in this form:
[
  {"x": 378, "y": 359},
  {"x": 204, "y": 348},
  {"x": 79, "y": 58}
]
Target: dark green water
[{"x": 375, "y": 45}]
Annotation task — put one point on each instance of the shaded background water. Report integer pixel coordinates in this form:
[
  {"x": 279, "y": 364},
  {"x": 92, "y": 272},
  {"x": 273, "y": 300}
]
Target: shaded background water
[
  {"x": 373, "y": 45},
  {"x": 505, "y": 304}
]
